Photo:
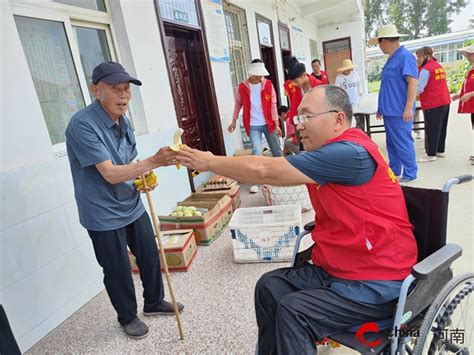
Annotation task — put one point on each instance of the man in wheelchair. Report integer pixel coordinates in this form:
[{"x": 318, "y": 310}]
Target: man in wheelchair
[{"x": 364, "y": 242}]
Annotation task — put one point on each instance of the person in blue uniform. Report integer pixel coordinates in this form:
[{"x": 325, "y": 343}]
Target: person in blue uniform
[{"x": 396, "y": 104}]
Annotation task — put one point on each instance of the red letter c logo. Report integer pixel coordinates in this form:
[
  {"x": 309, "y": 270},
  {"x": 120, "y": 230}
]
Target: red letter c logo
[{"x": 368, "y": 327}]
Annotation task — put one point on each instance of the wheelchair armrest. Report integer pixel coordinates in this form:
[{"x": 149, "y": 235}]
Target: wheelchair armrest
[
  {"x": 309, "y": 226},
  {"x": 303, "y": 255},
  {"x": 437, "y": 261}
]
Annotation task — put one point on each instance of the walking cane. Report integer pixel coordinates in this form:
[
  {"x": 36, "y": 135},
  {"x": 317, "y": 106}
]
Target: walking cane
[{"x": 162, "y": 256}]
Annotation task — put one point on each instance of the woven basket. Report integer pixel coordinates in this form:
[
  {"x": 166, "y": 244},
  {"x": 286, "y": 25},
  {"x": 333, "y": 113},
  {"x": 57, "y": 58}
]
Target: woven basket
[
  {"x": 265, "y": 234},
  {"x": 287, "y": 195}
]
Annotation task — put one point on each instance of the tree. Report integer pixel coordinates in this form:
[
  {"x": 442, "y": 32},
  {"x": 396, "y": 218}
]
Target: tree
[
  {"x": 416, "y": 18},
  {"x": 398, "y": 15},
  {"x": 416, "y": 10},
  {"x": 373, "y": 13},
  {"x": 437, "y": 17}
]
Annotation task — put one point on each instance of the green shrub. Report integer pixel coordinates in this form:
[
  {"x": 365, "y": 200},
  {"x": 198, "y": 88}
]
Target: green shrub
[
  {"x": 374, "y": 86},
  {"x": 455, "y": 76}
]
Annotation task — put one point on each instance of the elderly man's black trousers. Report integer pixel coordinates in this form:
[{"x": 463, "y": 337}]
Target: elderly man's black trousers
[{"x": 111, "y": 252}]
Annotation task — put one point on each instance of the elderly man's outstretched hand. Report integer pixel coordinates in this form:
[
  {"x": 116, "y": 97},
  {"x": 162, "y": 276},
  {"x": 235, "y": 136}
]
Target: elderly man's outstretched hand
[
  {"x": 164, "y": 157},
  {"x": 194, "y": 159}
]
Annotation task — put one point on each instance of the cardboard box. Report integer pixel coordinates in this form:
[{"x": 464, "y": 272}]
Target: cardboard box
[
  {"x": 233, "y": 191},
  {"x": 180, "y": 249},
  {"x": 208, "y": 226},
  {"x": 217, "y": 182},
  {"x": 239, "y": 152}
]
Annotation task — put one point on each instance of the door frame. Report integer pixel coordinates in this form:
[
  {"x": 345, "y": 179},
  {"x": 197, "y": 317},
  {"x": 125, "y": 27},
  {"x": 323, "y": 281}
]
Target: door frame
[
  {"x": 258, "y": 17},
  {"x": 325, "y": 43},
  {"x": 284, "y": 27},
  {"x": 200, "y": 31}
]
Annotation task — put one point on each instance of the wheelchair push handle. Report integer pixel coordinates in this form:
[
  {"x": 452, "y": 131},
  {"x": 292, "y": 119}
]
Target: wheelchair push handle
[
  {"x": 464, "y": 178},
  {"x": 456, "y": 180}
]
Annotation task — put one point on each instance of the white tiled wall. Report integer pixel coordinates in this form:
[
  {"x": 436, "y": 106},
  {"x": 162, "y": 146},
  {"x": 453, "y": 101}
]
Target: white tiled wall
[
  {"x": 33, "y": 244},
  {"x": 47, "y": 265}
]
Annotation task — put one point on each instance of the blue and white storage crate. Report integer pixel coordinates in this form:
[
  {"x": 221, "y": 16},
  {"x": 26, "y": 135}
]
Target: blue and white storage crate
[{"x": 265, "y": 234}]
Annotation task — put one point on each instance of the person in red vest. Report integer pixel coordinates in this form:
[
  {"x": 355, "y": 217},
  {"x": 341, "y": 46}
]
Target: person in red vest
[
  {"x": 257, "y": 97},
  {"x": 294, "y": 99},
  {"x": 364, "y": 243},
  {"x": 297, "y": 74},
  {"x": 435, "y": 99},
  {"x": 466, "y": 96},
  {"x": 301, "y": 83},
  {"x": 318, "y": 74}
]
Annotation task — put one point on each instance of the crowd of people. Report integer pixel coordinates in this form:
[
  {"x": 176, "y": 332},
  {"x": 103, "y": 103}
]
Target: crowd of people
[{"x": 343, "y": 169}]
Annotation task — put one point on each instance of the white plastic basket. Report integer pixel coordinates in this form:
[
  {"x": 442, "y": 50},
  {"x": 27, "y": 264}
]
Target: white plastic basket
[
  {"x": 287, "y": 195},
  {"x": 265, "y": 234}
]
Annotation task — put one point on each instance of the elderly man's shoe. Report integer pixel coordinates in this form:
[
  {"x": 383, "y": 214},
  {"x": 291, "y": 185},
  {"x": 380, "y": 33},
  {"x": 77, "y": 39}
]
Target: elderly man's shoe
[
  {"x": 165, "y": 308},
  {"x": 136, "y": 328}
]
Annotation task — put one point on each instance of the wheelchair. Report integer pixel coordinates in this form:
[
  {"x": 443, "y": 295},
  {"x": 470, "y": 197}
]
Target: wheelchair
[{"x": 432, "y": 315}]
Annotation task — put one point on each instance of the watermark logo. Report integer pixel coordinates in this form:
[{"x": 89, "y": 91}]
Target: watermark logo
[
  {"x": 371, "y": 327},
  {"x": 451, "y": 335}
]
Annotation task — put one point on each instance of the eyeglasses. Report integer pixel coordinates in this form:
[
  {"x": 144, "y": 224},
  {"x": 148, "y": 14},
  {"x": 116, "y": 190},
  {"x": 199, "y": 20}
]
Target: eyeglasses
[
  {"x": 305, "y": 118},
  {"x": 380, "y": 39}
]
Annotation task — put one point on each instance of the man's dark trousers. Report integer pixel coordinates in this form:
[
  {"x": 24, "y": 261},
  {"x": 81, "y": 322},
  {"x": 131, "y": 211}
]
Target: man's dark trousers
[
  {"x": 296, "y": 307},
  {"x": 111, "y": 252}
]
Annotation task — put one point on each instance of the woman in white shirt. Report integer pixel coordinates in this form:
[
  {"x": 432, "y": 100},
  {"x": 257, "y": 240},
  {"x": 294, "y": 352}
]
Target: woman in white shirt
[{"x": 349, "y": 80}]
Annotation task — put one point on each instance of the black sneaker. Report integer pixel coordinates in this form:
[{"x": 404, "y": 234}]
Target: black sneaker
[
  {"x": 165, "y": 308},
  {"x": 136, "y": 329}
]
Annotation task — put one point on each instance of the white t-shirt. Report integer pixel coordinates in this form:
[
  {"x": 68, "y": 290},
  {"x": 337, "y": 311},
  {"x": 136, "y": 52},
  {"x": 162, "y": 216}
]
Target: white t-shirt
[
  {"x": 351, "y": 84},
  {"x": 256, "y": 113}
]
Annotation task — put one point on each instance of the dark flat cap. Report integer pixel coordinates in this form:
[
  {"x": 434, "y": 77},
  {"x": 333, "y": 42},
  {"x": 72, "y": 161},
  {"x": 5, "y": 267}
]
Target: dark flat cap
[{"x": 112, "y": 73}]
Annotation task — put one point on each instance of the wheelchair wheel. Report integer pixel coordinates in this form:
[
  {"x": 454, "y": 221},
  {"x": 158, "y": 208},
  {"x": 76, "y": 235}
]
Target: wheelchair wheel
[{"x": 448, "y": 327}]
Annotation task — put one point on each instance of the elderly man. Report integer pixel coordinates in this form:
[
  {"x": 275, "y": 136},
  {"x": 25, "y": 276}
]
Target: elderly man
[
  {"x": 101, "y": 148},
  {"x": 364, "y": 241},
  {"x": 396, "y": 104}
]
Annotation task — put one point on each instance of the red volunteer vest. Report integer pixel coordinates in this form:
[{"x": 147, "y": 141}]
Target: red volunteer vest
[
  {"x": 324, "y": 78},
  {"x": 436, "y": 91},
  {"x": 467, "y": 86},
  {"x": 363, "y": 232},
  {"x": 266, "y": 96},
  {"x": 295, "y": 96}
]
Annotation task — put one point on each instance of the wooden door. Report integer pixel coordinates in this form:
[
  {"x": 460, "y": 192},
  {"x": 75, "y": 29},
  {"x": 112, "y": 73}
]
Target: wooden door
[
  {"x": 182, "y": 86},
  {"x": 335, "y": 52},
  {"x": 192, "y": 91}
]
